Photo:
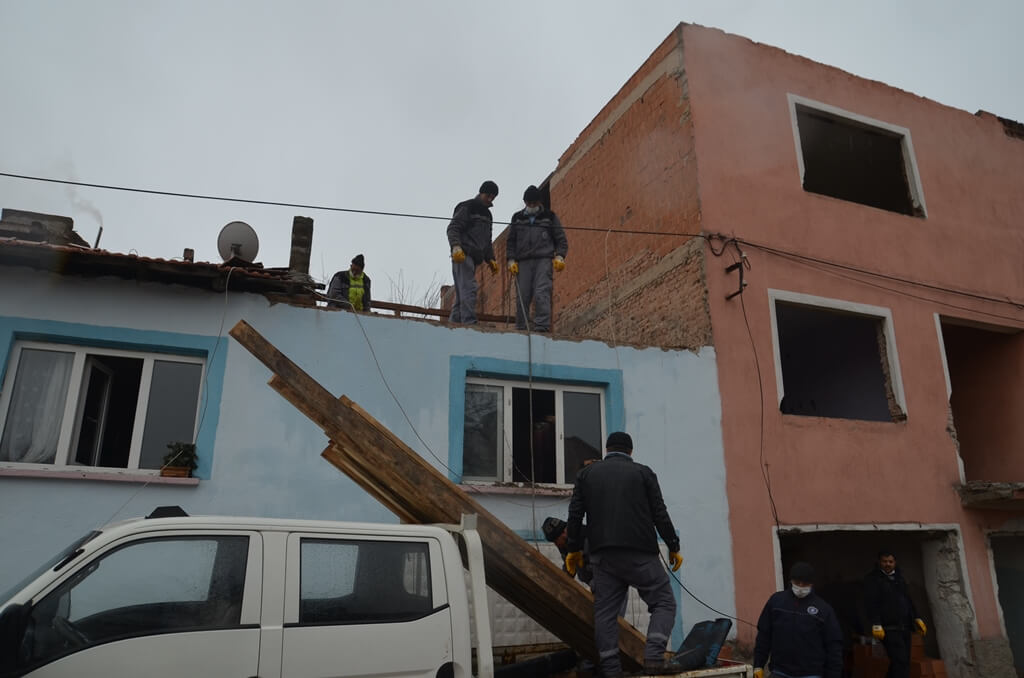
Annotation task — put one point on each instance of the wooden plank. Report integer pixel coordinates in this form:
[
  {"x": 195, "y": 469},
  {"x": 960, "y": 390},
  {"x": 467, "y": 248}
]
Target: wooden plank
[{"x": 403, "y": 481}]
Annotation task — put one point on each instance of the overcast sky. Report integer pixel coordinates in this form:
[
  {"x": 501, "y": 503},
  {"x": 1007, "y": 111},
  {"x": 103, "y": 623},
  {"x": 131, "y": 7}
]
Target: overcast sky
[{"x": 388, "y": 105}]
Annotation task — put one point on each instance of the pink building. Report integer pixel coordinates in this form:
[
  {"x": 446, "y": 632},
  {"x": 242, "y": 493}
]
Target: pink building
[{"x": 872, "y": 365}]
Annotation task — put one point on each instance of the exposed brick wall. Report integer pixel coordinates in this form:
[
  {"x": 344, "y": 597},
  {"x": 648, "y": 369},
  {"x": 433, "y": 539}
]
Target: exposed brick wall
[{"x": 632, "y": 169}]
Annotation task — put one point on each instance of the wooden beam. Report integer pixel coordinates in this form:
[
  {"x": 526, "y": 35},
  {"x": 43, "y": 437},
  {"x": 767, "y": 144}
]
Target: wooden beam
[{"x": 417, "y": 492}]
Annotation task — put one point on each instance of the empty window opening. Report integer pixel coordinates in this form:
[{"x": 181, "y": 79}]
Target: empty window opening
[
  {"x": 856, "y": 161},
  {"x": 842, "y": 560},
  {"x": 986, "y": 377},
  {"x": 834, "y": 364},
  {"x": 1008, "y": 560}
]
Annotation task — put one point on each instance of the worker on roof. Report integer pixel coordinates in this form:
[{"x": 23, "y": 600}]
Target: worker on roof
[
  {"x": 351, "y": 288},
  {"x": 469, "y": 236},
  {"x": 536, "y": 245},
  {"x": 799, "y": 632},
  {"x": 622, "y": 503}
]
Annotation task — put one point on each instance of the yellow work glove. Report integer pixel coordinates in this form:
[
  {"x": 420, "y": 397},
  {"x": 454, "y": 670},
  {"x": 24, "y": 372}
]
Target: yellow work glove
[
  {"x": 920, "y": 626},
  {"x": 558, "y": 263},
  {"x": 758, "y": 673},
  {"x": 675, "y": 559},
  {"x": 494, "y": 266},
  {"x": 513, "y": 267},
  {"x": 458, "y": 256},
  {"x": 878, "y": 632},
  {"x": 573, "y": 562}
]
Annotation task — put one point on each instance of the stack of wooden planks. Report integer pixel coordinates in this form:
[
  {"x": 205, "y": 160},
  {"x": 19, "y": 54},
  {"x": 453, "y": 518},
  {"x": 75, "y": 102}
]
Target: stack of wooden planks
[{"x": 416, "y": 492}]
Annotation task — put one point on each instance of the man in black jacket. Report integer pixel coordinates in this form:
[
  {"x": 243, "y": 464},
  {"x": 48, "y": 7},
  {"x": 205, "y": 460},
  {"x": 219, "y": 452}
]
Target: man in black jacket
[
  {"x": 622, "y": 503},
  {"x": 536, "y": 246},
  {"x": 890, "y": 611},
  {"x": 469, "y": 236},
  {"x": 799, "y": 631}
]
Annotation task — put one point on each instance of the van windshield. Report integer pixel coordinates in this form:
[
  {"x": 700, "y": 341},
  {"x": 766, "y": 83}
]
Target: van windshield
[{"x": 60, "y": 557}]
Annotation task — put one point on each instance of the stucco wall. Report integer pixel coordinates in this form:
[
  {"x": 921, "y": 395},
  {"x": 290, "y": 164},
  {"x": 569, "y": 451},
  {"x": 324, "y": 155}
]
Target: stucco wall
[
  {"x": 265, "y": 458},
  {"x": 834, "y": 470}
]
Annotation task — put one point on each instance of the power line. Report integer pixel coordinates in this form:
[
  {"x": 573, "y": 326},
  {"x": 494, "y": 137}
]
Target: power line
[
  {"x": 322, "y": 208},
  {"x": 409, "y": 215},
  {"x": 906, "y": 281}
]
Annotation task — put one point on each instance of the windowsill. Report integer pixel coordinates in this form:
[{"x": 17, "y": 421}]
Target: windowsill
[
  {"x": 817, "y": 419},
  {"x": 107, "y": 475},
  {"x": 516, "y": 488}
]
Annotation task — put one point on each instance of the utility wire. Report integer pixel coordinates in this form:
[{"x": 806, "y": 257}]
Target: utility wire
[
  {"x": 322, "y": 208},
  {"x": 710, "y": 237}
]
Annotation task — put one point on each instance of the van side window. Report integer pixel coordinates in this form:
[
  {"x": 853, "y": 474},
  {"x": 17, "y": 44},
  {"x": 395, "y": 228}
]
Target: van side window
[
  {"x": 161, "y": 585},
  {"x": 357, "y": 582}
]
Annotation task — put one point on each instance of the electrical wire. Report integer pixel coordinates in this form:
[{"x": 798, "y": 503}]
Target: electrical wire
[
  {"x": 668, "y": 568},
  {"x": 319, "y": 208},
  {"x": 710, "y": 237}
]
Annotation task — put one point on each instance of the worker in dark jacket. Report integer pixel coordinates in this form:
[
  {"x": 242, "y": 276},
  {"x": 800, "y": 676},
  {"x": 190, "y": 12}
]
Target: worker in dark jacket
[
  {"x": 799, "y": 631},
  {"x": 891, "y": 613},
  {"x": 555, "y": 531},
  {"x": 622, "y": 503},
  {"x": 469, "y": 236},
  {"x": 536, "y": 245},
  {"x": 351, "y": 288}
]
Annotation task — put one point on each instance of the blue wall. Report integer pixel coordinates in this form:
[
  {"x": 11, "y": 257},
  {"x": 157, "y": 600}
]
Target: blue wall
[{"x": 267, "y": 455}]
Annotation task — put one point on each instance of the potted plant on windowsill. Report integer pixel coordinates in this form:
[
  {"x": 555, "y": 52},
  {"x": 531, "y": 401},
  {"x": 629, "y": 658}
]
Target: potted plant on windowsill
[{"x": 180, "y": 461}]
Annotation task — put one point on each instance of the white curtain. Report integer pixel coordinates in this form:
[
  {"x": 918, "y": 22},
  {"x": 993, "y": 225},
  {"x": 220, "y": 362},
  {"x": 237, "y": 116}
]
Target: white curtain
[{"x": 36, "y": 407}]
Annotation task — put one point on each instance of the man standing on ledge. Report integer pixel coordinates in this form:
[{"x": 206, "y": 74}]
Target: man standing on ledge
[
  {"x": 622, "y": 502},
  {"x": 469, "y": 236}
]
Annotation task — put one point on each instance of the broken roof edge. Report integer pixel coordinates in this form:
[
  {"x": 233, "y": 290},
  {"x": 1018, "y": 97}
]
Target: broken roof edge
[
  {"x": 74, "y": 260},
  {"x": 986, "y": 494}
]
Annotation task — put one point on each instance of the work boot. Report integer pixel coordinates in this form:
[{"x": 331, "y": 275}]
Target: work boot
[{"x": 677, "y": 663}]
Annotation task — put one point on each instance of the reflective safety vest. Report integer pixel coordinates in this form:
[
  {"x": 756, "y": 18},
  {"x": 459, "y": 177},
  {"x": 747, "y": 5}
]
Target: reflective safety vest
[{"x": 355, "y": 290}]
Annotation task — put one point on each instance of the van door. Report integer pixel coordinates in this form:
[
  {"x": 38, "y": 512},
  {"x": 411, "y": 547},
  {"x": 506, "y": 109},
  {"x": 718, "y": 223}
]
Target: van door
[
  {"x": 182, "y": 603},
  {"x": 365, "y": 606}
]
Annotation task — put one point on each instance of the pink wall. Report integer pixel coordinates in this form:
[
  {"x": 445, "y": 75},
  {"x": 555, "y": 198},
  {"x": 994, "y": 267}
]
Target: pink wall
[{"x": 834, "y": 470}]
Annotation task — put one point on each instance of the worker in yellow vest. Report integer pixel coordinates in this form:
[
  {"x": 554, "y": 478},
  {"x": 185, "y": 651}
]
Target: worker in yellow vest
[{"x": 351, "y": 288}]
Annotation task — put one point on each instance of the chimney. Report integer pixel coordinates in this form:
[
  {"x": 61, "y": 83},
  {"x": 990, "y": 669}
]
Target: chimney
[
  {"x": 188, "y": 255},
  {"x": 302, "y": 245}
]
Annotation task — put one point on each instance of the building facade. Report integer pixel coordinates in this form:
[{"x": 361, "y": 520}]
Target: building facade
[
  {"x": 853, "y": 254},
  {"x": 106, "y": 358}
]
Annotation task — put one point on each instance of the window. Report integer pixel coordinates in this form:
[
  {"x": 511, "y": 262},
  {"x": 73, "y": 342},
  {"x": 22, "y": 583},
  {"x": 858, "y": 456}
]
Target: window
[
  {"x": 146, "y": 587},
  {"x": 74, "y": 406},
  {"x": 505, "y": 420},
  {"x": 346, "y": 582},
  {"x": 850, "y": 157},
  {"x": 835, "y": 359}
]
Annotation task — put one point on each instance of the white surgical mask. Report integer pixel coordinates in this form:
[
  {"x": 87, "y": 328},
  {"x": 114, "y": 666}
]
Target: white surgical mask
[
  {"x": 531, "y": 210},
  {"x": 801, "y": 591}
]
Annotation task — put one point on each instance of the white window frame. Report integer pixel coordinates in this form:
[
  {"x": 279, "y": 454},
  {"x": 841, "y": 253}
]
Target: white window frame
[
  {"x": 75, "y": 401},
  {"x": 507, "y": 419},
  {"x": 906, "y": 143},
  {"x": 882, "y": 313}
]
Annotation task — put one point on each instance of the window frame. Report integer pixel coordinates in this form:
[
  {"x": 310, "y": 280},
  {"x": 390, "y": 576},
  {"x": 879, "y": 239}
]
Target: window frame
[
  {"x": 75, "y": 400},
  {"x": 906, "y": 145},
  {"x": 508, "y": 424},
  {"x": 826, "y": 304}
]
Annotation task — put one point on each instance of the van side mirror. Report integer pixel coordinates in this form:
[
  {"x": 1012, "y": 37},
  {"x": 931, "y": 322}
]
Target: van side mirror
[{"x": 13, "y": 624}]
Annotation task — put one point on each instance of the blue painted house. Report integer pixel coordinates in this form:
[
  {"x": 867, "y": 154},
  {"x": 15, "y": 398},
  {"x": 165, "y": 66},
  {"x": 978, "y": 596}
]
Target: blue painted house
[{"x": 105, "y": 358}]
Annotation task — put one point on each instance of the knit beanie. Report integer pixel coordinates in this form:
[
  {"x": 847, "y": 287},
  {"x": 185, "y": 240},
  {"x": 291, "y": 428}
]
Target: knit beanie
[
  {"x": 359, "y": 261},
  {"x": 532, "y": 194},
  {"x": 619, "y": 442}
]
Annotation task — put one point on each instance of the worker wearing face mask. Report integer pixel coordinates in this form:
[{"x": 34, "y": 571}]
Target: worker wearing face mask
[
  {"x": 798, "y": 633},
  {"x": 536, "y": 245}
]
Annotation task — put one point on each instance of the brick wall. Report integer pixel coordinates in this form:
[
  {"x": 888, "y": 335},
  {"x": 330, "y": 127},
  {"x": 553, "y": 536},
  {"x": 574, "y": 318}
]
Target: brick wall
[{"x": 632, "y": 169}]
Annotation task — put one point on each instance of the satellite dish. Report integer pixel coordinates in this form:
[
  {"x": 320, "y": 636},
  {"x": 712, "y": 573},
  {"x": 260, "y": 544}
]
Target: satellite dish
[{"x": 238, "y": 240}]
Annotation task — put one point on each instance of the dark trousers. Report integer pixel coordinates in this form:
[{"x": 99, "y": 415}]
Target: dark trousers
[
  {"x": 897, "y": 646},
  {"x": 534, "y": 284},
  {"x": 464, "y": 308},
  {"x": 614, "y": 573}
]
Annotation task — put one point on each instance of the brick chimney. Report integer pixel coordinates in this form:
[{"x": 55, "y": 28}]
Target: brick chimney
[{"x": 302, "y": 245}]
